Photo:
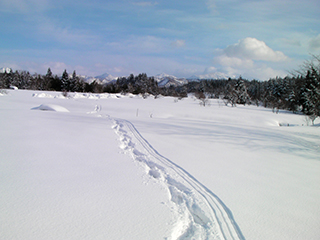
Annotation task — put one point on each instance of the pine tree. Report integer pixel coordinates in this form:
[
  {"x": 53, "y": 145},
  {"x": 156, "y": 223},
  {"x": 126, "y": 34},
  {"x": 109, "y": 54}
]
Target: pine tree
[
  {"x": 230, "y": 94},
  {"x": 79, "y": 85},
  {"x": 48, "y": 79},
  {"x": 293, "y": 101},
  {"x": 25, "y": 80},
  {"x": 16, "y": 79},
  {"x": 49, "y": 73},
  {"x": 310, "y": 96},
  {"x": 73, "y": 81},
  {"x": 8, "y": 77},
  {"x": 241, "y": 93},
  {"x": 65, "y": 83}
]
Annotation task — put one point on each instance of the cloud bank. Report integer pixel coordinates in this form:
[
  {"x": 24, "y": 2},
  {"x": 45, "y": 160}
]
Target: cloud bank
[
  {"x": 252, "y": 48},
  {"x": 145, "y": 4},
  {"x": 24, "y": 6},
  {"x": 250, "y": 57},
  {"x": 314, "y": 43},
  {"x": 178, "y": 43}
]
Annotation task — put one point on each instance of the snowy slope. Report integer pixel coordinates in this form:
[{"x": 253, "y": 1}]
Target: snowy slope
[
  {"x": 106, "y": 78},
  {"x": 123, "y": 167},
  {"x": 101, "y": 79},
  {"x": 165, "y": 80}
]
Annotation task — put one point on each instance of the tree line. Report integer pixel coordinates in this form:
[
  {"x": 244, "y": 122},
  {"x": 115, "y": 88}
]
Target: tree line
[
  {"x": 48, "y": 82},
  {"x": 299, "y": 93}
]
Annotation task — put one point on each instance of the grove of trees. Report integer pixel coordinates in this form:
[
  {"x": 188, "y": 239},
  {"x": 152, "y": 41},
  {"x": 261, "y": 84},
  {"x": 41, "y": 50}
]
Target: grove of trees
[{"x": 299, "y": 93}]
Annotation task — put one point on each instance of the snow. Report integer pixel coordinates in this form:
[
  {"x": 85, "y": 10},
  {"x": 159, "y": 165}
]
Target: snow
[
  {"x": 166, "y": 80},
  {"x": 51, "y": 107},
  {"x": 124, "y": 167},
  {"x": 5, "y": 69}
]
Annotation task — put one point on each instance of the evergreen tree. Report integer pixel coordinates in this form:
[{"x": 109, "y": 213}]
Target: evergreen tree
[
  {"x": 310, "y": 96},
  {"x": 2, "y": 82},
  {"x": 73, "y": 80},
  {"x": 7, "y": 79},
  {"x": 16, "y": 79},
  {"x": 48, "y": 78},
  {"x": 230, "y": 95},
  {"x": 65, "y": 83},
  {"x": 79, "y": 85},
  {"x": 240, "y": 89},
  {"x": 25, "y": 80},
  {"x": 254, "y": 91},
  {"x": 49, "y": 73},
  {"x": 56, "y": 83}
]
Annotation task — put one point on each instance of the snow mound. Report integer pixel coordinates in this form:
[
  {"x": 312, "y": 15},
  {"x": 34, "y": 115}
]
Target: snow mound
[
  {"x": 42, "y": 95},
  {"x": 77, "y": 95},
  {"x": 94, "y": 96},
  {"x": 3, "y": 92},
  {"x": 50, "y": 107},
  {"x": 80, "y": 95},
  {"x": 61, "y": 96}
]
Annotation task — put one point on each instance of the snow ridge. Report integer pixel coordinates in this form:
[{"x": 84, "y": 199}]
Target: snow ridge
[{"x": 199, "y": 213}]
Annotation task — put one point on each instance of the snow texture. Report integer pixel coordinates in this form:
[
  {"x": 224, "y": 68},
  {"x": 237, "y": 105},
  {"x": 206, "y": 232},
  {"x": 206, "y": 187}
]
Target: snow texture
[
  {"x": 200, "y": 213},
  {"x": 110, "y": 166},
  {"x": 51, "y": 107}
]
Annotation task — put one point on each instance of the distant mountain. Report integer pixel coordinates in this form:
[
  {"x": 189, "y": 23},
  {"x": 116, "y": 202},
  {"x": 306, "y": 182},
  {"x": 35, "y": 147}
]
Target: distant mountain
[
  {"x": 102, "y": 79},
  {"x": 165, "y": 80},
  {"x": 106, "y": 77},
  {"x": 216, "y": 75}
]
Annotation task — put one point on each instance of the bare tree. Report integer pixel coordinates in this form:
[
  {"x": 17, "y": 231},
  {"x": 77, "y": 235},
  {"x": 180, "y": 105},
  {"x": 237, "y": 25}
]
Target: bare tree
[{"x": 202, "y": 97}]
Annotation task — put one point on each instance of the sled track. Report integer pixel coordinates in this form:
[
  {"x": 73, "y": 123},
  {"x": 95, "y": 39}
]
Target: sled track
[{"x": 200, "y": 213}]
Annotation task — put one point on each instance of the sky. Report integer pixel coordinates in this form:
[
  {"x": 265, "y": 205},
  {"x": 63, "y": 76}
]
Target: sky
[{"x": 210, "y": 38}]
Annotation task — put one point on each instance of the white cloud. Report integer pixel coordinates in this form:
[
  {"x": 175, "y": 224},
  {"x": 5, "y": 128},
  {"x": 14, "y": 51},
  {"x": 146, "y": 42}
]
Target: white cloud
[
  {"x": 143, "y": 45},
  {"x": 56, "y": 67},
  {"x": 227, "y": 61},
  {"x": 64, "y": 34},
  {"x": 254, "y": 49},
  {"x": 147, "y": 44},
  {"x": 211, "y": 5},
  {"x": 210, "y": 70},
  {"x": 314, "y": 43},
  {"x": 292, "y": 42},
  {"x": 38, "y": 67},
  {"x": 24, "y": 6},
  {"x": 213, "y": 73},
  {"x": 178, "y": 43},
  {"x": 145, "y": 4},
  {"x": 244, "y": 58}
]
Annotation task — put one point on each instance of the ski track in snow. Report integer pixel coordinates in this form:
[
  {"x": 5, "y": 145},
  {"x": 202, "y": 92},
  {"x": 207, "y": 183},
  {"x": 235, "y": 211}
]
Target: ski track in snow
[{"x": 199, "y": 213}]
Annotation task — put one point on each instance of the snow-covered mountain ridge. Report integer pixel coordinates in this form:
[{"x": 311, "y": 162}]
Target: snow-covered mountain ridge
[
  {"x": 102, "y": 79},
  {"x": 163, "y": 79}
]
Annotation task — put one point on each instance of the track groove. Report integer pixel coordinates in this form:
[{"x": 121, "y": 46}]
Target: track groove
[{"x": 206, "y": 217}]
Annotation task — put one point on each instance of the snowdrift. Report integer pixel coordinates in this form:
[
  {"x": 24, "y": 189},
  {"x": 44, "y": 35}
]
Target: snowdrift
[{"x": 50, "y": 107}]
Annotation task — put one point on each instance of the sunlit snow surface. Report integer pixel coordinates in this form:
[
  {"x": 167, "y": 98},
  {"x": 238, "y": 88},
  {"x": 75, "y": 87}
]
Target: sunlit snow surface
[{"x": 101, "y": 166}]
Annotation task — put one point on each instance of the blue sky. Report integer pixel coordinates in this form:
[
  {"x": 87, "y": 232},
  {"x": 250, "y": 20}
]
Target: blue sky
[{"x": 255, "y": 39}]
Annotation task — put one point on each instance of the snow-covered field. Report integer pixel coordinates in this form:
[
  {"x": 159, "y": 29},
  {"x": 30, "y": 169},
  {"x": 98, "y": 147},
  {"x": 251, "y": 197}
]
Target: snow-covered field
[{"x": 123, "y": 167}]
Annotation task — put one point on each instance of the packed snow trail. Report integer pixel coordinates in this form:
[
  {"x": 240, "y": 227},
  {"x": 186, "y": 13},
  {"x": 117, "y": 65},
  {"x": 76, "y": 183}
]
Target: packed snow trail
[{"x": 199, "y": 213}]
